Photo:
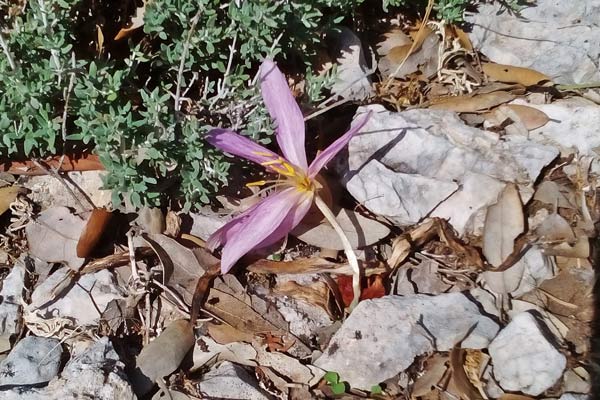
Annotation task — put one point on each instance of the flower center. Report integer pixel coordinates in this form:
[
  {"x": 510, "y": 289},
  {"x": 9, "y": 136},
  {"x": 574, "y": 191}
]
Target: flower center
[{"x": 289, "y": 175}]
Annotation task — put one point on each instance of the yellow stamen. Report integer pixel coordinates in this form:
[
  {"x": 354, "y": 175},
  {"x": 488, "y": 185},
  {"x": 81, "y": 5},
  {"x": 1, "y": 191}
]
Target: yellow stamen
[{"x": 256, "y": 183}]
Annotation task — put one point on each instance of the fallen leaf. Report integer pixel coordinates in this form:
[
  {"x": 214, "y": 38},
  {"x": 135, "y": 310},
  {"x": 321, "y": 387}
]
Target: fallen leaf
[
  {"x": 8, "y": 194},
  {"x": 53, "y": 237},
  {"x": 247, "y": 313},
  {"x": 313, "y": 265},
  {"x": 290, "y": 368},
  {"x": 512, "y": 74},
  {"x": 207, "y": 351},
  {"x": 470, "y": 103},
  {"x": 163, "y": 355},
  {"x": 372, "y": 288},
  {"x": 550, "y": 192},
  {"x": 173, "y": 224},
  {"x": 435, "y": 368},
  {"x": 461, "y": 381},
  {"x": 182, "y": 266},
  {"x": 394, "y": 38},
  {"x": 555, "y": 228},
  {"x": 93, "y": 231},
  {"x": 137, "y": 21},
  {"x": 423, "y": 56},
  {"x": 504, "y": 222},
  {"x": 462, "y": 37},
  {"x": 531, "y": 117},
  {"x": 359, "y": 230},
  {"x": 316, "y": 294}
]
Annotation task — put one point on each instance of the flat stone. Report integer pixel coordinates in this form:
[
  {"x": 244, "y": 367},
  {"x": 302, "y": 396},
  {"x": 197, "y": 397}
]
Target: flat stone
[
  {"x": 32, "y": 361},
  {"x": 11, "y": 308},
  {"x": 383, "y": 336},
  {"x": 523, "y": 358},
  {"x": 205, "y": 222},
  {"x": 96, "y": 373},
  {"x": 411, "y": 164},
  {"x": 81, "y": 302},
  {"x": 557, "y": 38},
  {"x": 230, "y": 381}
]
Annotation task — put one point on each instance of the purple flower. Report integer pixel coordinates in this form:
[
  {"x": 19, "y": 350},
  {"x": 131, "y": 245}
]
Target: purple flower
[{"x": 278, "y": 213}]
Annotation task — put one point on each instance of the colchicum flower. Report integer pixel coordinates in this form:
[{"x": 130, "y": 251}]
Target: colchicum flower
[{"x": 296, "y": 187}]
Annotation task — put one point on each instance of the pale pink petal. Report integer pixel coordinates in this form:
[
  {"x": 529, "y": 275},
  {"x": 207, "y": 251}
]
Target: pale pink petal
[
  {"x": 327, "y": 155},
  {"x": 232, "y": 143},
  {"x": 268, "y": 222},
  {"x": 285, "y": 111},
  {"x": 223, "y": 234}
]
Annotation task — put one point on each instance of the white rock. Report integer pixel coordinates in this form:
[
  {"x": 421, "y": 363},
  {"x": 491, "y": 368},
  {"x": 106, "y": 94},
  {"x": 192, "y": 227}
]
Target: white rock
[
  {"x": 575, "y": 396},
  {"x": 96, "y": 374},
  {"x": 523, "y": 359},
  {"x": 47, "y": 191},
  {"x": 383, "y": 336},
  {"x": 33, "y": 360},
  {"x": 92, "y": 292},
  {"x": 352, "y": 81},
  {"x": 11, "y": 309},
  {"x": 572, "y": 126},
  {"x": 230, "y": 381},
  {"x": 532, "y": 39},
  {"x": 406, "y": 165}
]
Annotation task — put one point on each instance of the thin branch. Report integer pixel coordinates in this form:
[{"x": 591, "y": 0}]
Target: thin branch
[
  {"x": 9, "y": 57},
  {"x": 63, "y": 130},
  {"x": 52, "y": 172},
  {"x": 186, "y": 48}
]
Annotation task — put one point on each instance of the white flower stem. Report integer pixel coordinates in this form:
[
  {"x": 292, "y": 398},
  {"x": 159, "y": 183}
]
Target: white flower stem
[{"x": 347, "y": 248}]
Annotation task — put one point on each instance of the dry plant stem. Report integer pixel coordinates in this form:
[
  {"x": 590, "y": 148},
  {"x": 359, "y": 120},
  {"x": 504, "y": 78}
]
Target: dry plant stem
[
  {"x": 67, "y": 95},
  {"x": 186, "y": 48},
  {"x": 347, "y": 248},
  {"x": 9, "y": 57},
  {"x": 51, "y": 171},
  {"x": 134, "y": 272},
  {"x": 412, "y": 48},
  {"x": 329, "y": 107}
]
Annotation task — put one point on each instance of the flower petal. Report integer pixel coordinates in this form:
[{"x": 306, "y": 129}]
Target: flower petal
[
  {"x": 238, "y": 145},
  {"x": 285, "y": 111},
  {"x": 264, "y": 224},
  {"x": 327, "y": 155}
]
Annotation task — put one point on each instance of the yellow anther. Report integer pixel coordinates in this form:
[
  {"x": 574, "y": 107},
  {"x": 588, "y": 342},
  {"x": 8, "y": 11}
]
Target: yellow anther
[
  {"x": 256, "y": 183},
  {"x": 262, "y": 153}
]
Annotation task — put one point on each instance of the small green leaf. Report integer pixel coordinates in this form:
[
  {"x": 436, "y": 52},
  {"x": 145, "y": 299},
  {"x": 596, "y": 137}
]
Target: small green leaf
[
  {"x": 376, "y": 389},
  {"x": 332, "y": 377},
  {"x": 338, "y": 388}
]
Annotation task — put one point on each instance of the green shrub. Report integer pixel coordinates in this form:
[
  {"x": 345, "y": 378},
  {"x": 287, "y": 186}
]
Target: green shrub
[{"x": 61, "y": 89}]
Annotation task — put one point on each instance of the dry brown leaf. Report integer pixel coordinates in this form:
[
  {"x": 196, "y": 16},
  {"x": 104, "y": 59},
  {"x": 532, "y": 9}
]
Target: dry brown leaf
[
  {"x": 531, "y": 117},
  {"x": 512, "y": 74},
  {"x": 359, "y": 230},
  {"x": 182, "y": 266},
  {"x": 461, "y": 381},
  {"x": 163, "y": 355},
  {"x": 137, "y": 21},
  {"x": 316, "y": 294},
  {"x": 93, "y": 231},
  {"x": 229, "y": 301},
  {"x": 504, "y": 222},
  {"x": 313, "y": 265},
  {"x": 435, "y": 369},
  {"x": 510, "y": 396},
  {"x": 8, "y": 194},
  {"x": 423, "y": 56},
  {"x": 392, "y": 39},
  {"x": 550, "y": 192},
  {"x": 83, "y": 162},
  {"x": 462, "y": 37},
  {"x": 471, "y": 104},
  {"x": 555, "y": 228}
]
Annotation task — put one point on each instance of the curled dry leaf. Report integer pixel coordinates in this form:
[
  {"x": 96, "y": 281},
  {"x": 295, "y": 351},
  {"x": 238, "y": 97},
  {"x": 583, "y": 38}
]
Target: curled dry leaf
[
  {"x": 512, "y": 74},
  {"x": 93, "y": 231},
  {"x": 8, "y": 194},
  {"x": 462, "y": 383},
  {"x": 372, "y": 288},
  {"x": 163, "y": 355},
  {"x": 316, "y": 294},
  {"x": 471, "y": 104},
  {"x": 313, "y": 265}
]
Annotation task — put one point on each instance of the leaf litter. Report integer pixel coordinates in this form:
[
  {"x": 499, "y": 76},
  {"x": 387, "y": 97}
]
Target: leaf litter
[{"x": 157, "y": 291}]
